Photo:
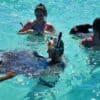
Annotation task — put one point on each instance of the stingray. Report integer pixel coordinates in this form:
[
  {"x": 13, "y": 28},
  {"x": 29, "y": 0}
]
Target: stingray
[{"x": 22, "y": 62}]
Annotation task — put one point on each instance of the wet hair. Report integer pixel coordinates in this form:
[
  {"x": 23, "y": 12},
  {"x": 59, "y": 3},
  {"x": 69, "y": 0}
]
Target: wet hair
[
  {"x": 41, "y": 7},
  {"x": 96, "y": 25}
]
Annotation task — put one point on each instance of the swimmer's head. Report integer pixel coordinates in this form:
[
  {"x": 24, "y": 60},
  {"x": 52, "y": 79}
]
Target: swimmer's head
[
  {"x": 55, "y": 52},
  {"x": 40, "y": 11},
  {"x": 73, "y": 30},
  {"x": 96, "y": 25}
]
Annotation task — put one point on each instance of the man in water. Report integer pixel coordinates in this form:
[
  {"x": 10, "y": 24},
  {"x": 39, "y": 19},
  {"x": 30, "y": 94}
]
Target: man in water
[{"x": 40, "y": 25}]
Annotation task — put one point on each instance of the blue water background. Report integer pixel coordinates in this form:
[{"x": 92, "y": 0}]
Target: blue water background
[{"x": 81, "y": 78}]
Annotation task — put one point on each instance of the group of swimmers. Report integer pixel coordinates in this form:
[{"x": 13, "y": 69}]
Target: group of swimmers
[
  {"x": 40, "y": 26},
  {"x": 94, "y": 39},
  {"x": 56, "y": 46}
]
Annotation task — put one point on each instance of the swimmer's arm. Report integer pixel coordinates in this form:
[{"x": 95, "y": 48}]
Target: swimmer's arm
[
  {"x": 7, "y": 76},
  {"x": 89, "y": 26},
  {"x": 84, "y": 25},
  {"x": 29, "y": 31},
  {"x": 49, "y": 32},
  {"x": 26, "y": 29},
  {"x": 49, "y": 29}
]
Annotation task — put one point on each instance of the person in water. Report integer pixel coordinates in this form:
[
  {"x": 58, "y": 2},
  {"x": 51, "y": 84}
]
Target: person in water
[
  {"x": 84, "y": 28},
  {"x": 55, "y": 53},
  {"x": 93, "y": 41},
  {"x": 39, "y": 25}
]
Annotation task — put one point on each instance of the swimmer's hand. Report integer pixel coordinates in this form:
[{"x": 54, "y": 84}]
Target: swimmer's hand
[
  {"x": 7, "y": 76},
  {"x": 49, "y": 32},
  {"x": 49, "y": 29},
  {"x": 29, "y": 31}
]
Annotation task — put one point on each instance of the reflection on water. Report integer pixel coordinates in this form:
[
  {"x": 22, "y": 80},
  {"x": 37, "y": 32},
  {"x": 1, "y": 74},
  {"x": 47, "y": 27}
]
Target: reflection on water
[
  {"x": 94, "y": 59},
  {"x": 35, "y": 38},
  {"x": 76, "y": 82}
]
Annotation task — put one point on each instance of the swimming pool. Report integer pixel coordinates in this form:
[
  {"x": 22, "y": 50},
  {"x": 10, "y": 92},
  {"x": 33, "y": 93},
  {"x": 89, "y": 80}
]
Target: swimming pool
[{"x": 76, "y": 82}]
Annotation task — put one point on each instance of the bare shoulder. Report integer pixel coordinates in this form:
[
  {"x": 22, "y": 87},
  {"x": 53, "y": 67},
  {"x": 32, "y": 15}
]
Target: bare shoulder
[{"x": 49, "y": 28}]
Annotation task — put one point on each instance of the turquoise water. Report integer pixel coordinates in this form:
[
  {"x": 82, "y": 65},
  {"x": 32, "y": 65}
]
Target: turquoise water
[{"x": 81, "y": 78}]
